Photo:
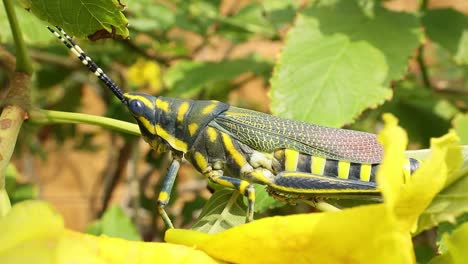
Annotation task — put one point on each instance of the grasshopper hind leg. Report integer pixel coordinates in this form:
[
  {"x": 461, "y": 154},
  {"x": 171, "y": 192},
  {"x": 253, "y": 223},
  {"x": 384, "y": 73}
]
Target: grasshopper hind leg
[{"x": 244, "y": 187}]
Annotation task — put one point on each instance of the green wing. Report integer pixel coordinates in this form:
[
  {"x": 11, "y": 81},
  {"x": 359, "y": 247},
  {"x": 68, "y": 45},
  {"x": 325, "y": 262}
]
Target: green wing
[{"x": 266, "y": 133}]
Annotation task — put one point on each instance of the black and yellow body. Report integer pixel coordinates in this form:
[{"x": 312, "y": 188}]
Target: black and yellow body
[{"x": 236, "y": 147}]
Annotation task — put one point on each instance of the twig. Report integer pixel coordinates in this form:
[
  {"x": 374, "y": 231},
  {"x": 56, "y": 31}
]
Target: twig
[
  {"x": 423, "y": 68},
  {"x": 23, "y": 61}
]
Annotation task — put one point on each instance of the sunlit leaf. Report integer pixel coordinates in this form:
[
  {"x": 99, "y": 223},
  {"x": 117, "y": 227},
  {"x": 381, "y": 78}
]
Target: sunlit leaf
[
  {"x": 460, "y": 123},
  {"x": 225, "y": 209},
  {"x": 322, "y": 67},
  {"x": 456, "y": 244},
  {"x": 34, "y": 30},
  {"x": 187, "y": 78},
  {"x": 81, "y": 18},
  {"x": 115, "y": 223}
]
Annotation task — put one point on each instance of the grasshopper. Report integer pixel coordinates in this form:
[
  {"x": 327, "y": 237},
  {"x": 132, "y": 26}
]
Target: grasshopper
[{"x": 236, "y": 147}]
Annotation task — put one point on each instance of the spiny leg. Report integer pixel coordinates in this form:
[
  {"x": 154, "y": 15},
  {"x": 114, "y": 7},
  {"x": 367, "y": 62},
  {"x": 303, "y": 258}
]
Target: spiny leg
[
  {"x": 244, "y": 187},
  {"x": 165, "y": 193}
]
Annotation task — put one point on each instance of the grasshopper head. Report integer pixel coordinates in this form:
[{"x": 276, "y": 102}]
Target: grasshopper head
[{"x": 143, "y": 108}]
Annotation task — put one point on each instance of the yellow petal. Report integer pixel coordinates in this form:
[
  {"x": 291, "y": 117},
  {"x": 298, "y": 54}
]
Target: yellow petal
[
  {"x": 32, "y": 232},
  {"x": 76, "y": 247},
  {"x": 29, "y": 233},
  {"x": 390, "y": 174},
  {"x": 359, "y": 235},
  {"x": 426, "y": 182}
]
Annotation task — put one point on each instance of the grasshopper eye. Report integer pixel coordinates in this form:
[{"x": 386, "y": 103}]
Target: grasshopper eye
[{"x": 136, "y": 107}]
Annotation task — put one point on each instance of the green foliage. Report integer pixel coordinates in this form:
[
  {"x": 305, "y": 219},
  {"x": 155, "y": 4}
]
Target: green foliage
[
  {"x": 114, "y": 223},
  {"x": 348, "y": 57},
  {"x": 95, "y": 15},
  {"x": 224, "y": 210}
]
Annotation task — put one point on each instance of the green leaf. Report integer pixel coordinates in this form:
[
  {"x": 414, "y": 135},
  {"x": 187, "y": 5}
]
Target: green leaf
[
  {"x": 451, "y": 202},
  {"x": 188, "y": 78},
  {"x": 454, "y": 37},
  {"x": 460, "y": 123},
  {"x": 225, "y": 209},
  {"x": 340, "y": 65},
  {"x": 422, "y": 112},
  {"x": 263, "y": 201},
  {"x": 34, "y": 30},
  {"x": 114, "y": 223},
  {"x": 456, "y": 245},
  {"x": 149, "y": 16},
  {"x": 81, "y": 18}
]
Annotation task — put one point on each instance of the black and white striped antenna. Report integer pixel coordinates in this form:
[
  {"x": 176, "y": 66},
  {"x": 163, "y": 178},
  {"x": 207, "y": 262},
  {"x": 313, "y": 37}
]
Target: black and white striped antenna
[{"x": 86, "y": 60}]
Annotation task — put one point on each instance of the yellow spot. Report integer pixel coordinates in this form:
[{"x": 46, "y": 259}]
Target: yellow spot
[
  {"x": 146, "y": 123},
  {"x": 181, "y": 111},
  {"x": 173, "y": 141},
  {"x": 192, "y": 128},
  {"x": 343, "y": 169},
  {"x": 163, "y": 105},
  {"x": 224, "y": 182},
  {"x": 365, "y": 173},
  {"x": 145, "y": 72},
  {"x": 207, "y": 109},
  {"x": 259, "y": 176},
  {"x": 148, "y": 103},
  {"x": 237, "y": 157},
  {"x": 291, "y": 159},
  {"x": 163, "y": 196},
  {"x": 318, "y": 165},
  {"x": 201, "y": 161},
  {"x": 212, "y": 134},
  {"x": 243, "y": 187}
]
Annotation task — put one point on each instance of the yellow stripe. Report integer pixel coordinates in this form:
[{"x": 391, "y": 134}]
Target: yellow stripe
[
  {"x": 163, "y": 105},
  {"x": 201, "y": 161},
  {"x": 207, "y": 109},
  {"x": 343, "y": 169},
  {"x": 147, "y": 124},
  {"x": 163, "y": 196},
  {"x": 192, "y": 128},
  {"x": 224, "y": 182},
  {"x": 365, "y": 173},
  {"x": 243, "y": 187},
  {"x": 291, "y": 159},
  {"x": 148, "y": 103},
  {"x": 259, "y": 176},
  {"x": 236, "y": 155},
  {"x": 212, "y": 134},
  {"x": 318, "y": 165},
  {"x": 173, "y": 141},
  {"x": 183, "y": 108}
]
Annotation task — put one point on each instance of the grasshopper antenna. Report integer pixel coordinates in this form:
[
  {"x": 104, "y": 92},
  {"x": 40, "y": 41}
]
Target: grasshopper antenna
[{"x": 86, "y": 60}]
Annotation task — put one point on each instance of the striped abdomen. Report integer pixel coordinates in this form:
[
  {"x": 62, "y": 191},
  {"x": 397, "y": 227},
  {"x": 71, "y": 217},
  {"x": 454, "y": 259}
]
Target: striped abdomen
[{"x": 292, "y": 160}]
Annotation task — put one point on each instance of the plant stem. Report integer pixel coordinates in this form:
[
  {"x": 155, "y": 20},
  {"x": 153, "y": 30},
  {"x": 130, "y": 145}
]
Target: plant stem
[
  {"x": 23, "y": 61},
  {"x": 423, "y": 68},
  {"x": 53, "y": 117}
]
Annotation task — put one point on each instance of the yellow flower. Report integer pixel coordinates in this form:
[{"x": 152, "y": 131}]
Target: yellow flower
[
  {"x": 145, "y": 73},
  {"x": 33, "y": 233},
  {"x": 377, "y": 233}
]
